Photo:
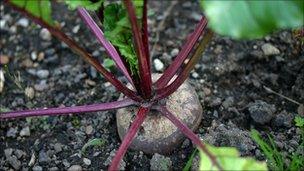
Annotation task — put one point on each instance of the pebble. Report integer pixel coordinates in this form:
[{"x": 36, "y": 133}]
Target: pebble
[
  {"x": 12, "y": 132},
  {"x": 261, "y": 112},
  {"x": 66, "y": 163},
  {"x": 14, "y": 162},
  {"x": 108, "y": 161},
  {"x": 54, "y": 169},
  {"x": 87, "y": 161},
  {"x": 196, "y": 16},
  {"x": 159, "y": 66},
  {"x": 76, "y": 29},
  {"x": 195, "y": 75},
  {"x": 58, "y": 147},
  {"x": 160, "y": 162},
  {"x": 42, "y": 74},
  {"x": 24, "y": 22},
  {"x": 283, "y": 119},
  {"x": 29, "y": 92},
  {"x": 75, "y": 168},
  {"x": 41, "y": 86},
  {"x": 19, "y": 153},
  {"x": 43, "y": 157},
  {"x": 37, "y": 168},
  {"x": 8, "y": 152},
  {"x": 174, "y": 52},
  {"x": 269, "y": 49},
  {"x": 4, "y": 59},
  {"x": 34, "y": 55},
  {"x": 45, "y": 34},
  {"x": 89, "y": 130},
  {"x": 228, "y": 102}
]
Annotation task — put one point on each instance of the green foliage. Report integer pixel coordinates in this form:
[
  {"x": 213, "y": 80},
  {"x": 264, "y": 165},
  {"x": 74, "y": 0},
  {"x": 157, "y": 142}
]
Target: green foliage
[
  {"x": 275, "y": 159},
  {"x": 190, "y": 161},
  {"x": 40, "y": 9},
  {"x": 89, "y": 5},
  {"x": 108, "y": 63},
  {"x": 96, "y": 142},
  {"x": 229, "y": 159},
  {"x": 252, "y": 19},
  {"x": 118, "y": 31},
  {"x": 299, "y": 121}
]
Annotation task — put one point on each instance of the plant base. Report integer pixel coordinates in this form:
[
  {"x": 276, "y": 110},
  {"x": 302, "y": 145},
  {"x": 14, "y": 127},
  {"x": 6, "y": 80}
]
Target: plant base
[{"x": 157, "y": 134}]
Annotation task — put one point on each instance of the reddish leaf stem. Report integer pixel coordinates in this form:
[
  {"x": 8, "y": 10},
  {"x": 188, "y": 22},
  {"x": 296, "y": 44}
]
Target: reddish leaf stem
[
  {"x": 80, "y": 51},
  {"x": 164, "y": 92},
  {"x": 189, "y": 133},
  {"x": 105, "y": 43},
  {"x": 144, "y": 72},
  {"x": 67, "y": 110},
  {"x": 179, "y": 60},
  {"x": 141, "y": 115},
  {"x": 145, "y": 33}
]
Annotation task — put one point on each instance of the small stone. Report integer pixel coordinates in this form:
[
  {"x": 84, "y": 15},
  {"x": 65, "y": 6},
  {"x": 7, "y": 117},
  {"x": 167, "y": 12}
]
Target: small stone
[
  {"x": 75, "y": 168},
  {"x": 228, "y": 102},
  {"x": 32, "y": 160},
  {"x": 76, "y": 29},
  {"x": 269, "y": 49},
  {"x": 57, "y": 147},
  {"x": 40, "y": 56},
  {"x": 19, "y": 153},
  {"x": 283, "y": 119},
  {"x": 41, "y": 86},
  {"x": 37, "y": 168},
  {"x": 8, "y": 152},
  {"x": 25, "y": 131},
  {"x": 207, "y": 91},
  {"x": 43, "y": 157},
  {"x": 160, "y": 162},
  {"x": 29, "y": 92},
  {"x": 34, "y": 55},
  {"x": 261, "y": 112},
  {"x": 195, "y": 75},
  {"x": 4, "y": 59},
  {"x": 53, "y": 169},
  {"x": 12, "y": 132},
  {"x": 196, "y": 16},
  {"x": 90, "y": 82},
  {"x": 14, "y": 162},
  {"x": 108, "y": 161},
  {"x": 66, "y": 163},
  {"x": 89, "y": 130},
  {"x": 159, "y": 66},
  {"x": 24, "y": 22},
  {"x": 45, "y": 34},
  {"x": 87, "y": 161},
  {"x": 174, "y": 52},
  {"x": 42, "y": 74}
]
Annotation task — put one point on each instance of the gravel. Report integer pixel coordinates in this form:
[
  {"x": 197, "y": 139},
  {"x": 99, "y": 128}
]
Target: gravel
[
  {"x": 25, "y": 132},
  {"x": 261, "y": 112},
  {"x": 160, "y": 162},
  {"x": 269, "y": 49},
  {"x": 158, "y": 64}
]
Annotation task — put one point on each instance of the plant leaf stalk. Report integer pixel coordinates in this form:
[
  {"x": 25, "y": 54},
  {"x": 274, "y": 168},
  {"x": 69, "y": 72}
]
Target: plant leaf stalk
[
  {"x": 145, "y": 33},
  {"x": 144, "y": 70},
  {"x": 186, "y": 49},
  {"x": 141, "y": 115},
  {"x": 68, "y": 110},
  {"x": 112, "y": 52},
  {"x": 166, "y": 91}
]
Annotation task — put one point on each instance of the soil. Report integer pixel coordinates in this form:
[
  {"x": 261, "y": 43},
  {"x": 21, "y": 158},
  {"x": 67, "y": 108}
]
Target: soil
[{"x": 231, "y": 79}]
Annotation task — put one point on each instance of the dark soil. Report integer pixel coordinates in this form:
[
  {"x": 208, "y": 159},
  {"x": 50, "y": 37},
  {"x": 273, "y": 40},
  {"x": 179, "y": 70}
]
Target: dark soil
[{"x": 230, "y": 80}]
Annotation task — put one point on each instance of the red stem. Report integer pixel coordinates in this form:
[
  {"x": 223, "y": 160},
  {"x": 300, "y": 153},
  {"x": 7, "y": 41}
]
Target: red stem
[
  {"x": 145, "y": 33},
  {"x": 166, "y": 91},
  {"x": 80, "y": 51},
  {"x": 104, "y": 42},
  {"x": 144, "y": 72},
  {"x": 141, "y": 115},
  {"x": 67, "y": 110},
  {"x": 189, "y": 133},
  {"x": 179, "y": 60}
]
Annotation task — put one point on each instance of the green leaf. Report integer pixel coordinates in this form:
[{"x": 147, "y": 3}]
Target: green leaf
[
  {"x": 228, "y": 158},
  {"x": 39, "y": 8},
  {"x": 96, "y": 142},
  {"x": 299, "y": 121},
  {"x": 252, "y": 19},
  {"x": 189, "y": 162},
  {"x": 108, "y": 63},
  {"x": 117, "y": 30},
  {"x": 89, "y": 5}
]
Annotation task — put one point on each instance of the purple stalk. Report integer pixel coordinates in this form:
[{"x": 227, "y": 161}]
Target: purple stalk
[
  {"x": 144, "y": 71},
  {"x": 105, "y": 43},
  {"x": 178, "y": 61},
  {"x": 189, "y": 133},
  {"x": 166, "y": 91},
  {"x": 145, "y": 33},
  {"x": 67, "y": 110},
  {"x": 140, "y": 117}
]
